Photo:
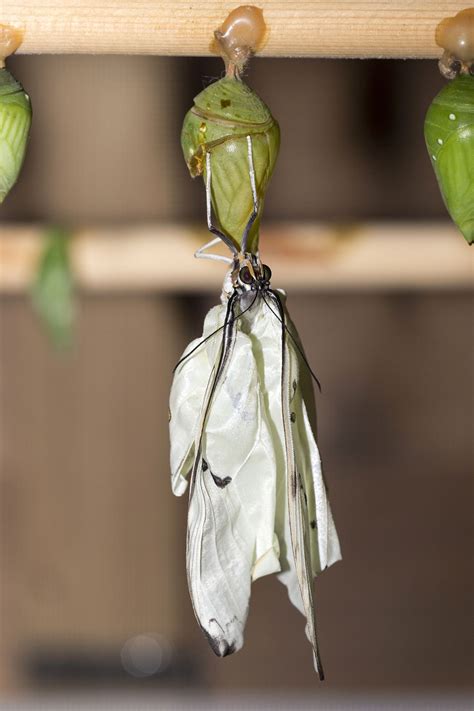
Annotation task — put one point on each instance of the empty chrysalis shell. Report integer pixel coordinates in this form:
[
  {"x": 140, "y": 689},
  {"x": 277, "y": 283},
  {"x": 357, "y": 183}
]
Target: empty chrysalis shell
[
  {"x": 449, "y": 127},
  {"x": 222, "y": 117},
  {"x": 15, "y": 118}
]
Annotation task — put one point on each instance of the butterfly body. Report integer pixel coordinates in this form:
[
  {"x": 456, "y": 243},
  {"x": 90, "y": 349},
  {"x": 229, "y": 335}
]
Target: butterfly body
[
  {"x": 238, "y": 412},
  {"x": 241, "y": 438}
]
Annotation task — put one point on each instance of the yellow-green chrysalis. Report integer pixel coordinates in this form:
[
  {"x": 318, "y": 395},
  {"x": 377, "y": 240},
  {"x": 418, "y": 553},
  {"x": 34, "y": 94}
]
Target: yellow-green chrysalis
[
  {"x": 15, "y": 122},
  {"x": 222, "y": 118}
]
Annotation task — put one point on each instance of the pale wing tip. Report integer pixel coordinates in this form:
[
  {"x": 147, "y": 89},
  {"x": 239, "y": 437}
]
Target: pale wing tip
[
  {"x": 318, "y": 667},
  {"x": 332, "y": 556},
  {"x": 269, "y": 562},
  {"x": 334, "y": 549},
  {"x": 335, "y": 557},
  {"x": 329, "y": 546},
  {"x": 178, "y": 484}
]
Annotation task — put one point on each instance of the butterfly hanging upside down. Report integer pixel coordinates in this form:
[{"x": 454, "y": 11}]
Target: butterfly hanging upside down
[{"x": 241, "y": 436}]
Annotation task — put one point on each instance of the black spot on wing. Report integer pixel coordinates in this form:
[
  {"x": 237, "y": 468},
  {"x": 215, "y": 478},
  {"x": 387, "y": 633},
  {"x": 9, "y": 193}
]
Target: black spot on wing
[
  {"x": 294, "y": 485},
  {"x": 313, "y": 524},
  {"x": 302, "y": 489},
  {"x": 221, "y": 483}
]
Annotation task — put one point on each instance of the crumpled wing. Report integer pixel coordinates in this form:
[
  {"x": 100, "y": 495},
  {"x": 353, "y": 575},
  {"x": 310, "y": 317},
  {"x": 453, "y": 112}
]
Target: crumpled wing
[
  {"x": 323, "y": 539},
  {"x": 296, "y": 514},
  {"x": 309, "y": 531},
  {"x": 231, "y": 539},
  {"x": 244, "y": 458},
  {"x": 186, "y": 398}
]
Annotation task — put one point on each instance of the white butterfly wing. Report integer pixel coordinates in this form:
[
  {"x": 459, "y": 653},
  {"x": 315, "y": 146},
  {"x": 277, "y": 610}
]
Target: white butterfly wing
[
  {"x": 297, "y": 514},
  {"x": 256, "y": 470},
  {"x": 324, "y": 542},
  {"x": 231, "y": 538},
  {"x": 186, "y": 399},
  {"x": 309, "y": 530}
]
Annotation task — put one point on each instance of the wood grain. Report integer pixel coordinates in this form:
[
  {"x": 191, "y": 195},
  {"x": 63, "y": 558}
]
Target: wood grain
[
  {"x": 303, "y": 256},
  {"x": 311, "y": 28}
]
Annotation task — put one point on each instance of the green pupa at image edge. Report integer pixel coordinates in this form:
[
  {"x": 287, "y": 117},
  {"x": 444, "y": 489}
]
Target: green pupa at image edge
[
  {"x": 15, "y": 122},
  {"x": 449, "y": 135}
]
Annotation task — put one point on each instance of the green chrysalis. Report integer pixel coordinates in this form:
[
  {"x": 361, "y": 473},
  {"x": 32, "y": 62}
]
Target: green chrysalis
[
  {"x": 15, "y": 122},
  {"x": 53, "y": 288},
  {"x": 222, "y": 117},
  {"x": 449, "y": 135}
]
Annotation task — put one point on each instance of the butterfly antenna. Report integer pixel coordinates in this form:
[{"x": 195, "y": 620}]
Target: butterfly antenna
[
  {"x": 204, "y": 340},
  {"x": 300, "y": 351},
  {"x": 202, "y": 254}
]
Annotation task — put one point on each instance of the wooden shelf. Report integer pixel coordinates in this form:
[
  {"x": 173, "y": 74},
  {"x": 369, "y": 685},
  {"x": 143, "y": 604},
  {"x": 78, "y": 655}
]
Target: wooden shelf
[
  {"x": 304, "y": 28},
  {"x": 302, "y": 257}
]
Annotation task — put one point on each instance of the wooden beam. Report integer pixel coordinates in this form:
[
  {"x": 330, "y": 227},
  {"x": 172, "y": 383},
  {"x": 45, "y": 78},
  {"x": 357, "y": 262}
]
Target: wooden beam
[
  {"x": 302, "y": 257},
  {"x": 297, "y": 28}
]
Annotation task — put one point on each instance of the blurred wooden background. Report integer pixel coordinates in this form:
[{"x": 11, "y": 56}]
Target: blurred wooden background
[{"x": 92, "y": 539}]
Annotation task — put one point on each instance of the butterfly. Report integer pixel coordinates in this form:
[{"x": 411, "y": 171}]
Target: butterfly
[{"x": 243, "y": 445}]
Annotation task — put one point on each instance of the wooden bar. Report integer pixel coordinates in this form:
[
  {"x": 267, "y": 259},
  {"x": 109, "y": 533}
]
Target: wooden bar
[
  {"x": 300, "y": 28},
  {"x": 302, "y": 257}
]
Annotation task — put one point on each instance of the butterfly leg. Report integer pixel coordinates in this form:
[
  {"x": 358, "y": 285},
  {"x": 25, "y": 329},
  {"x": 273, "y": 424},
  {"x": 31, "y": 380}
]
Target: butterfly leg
[
  {"x": 218, "y": 233},
  {"x": 253, "y": 185},
  {"x": 212, "y": 228},
  {"x": 201, "y": 252}
]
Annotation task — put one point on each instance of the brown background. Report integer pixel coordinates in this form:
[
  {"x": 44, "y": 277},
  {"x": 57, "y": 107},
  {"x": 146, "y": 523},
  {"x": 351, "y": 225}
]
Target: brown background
[{"x": 92, "y": 539}]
